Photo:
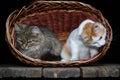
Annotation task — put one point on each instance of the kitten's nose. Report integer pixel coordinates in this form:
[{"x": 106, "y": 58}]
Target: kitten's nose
[{"x": 25, "y": 46}]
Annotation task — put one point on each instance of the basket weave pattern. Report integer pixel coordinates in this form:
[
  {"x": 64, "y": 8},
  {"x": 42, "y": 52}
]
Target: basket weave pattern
[{"x": 61, "y": 17}]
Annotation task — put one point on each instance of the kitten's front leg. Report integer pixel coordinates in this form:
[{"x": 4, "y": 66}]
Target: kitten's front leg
[
  {"x": 101, "y": 42},
  {"x": 74, "y": 51},
  {"x": 65, "y": 56},
  {"x": 75, "y": 56},
  {"x": 93, "y": 52}
]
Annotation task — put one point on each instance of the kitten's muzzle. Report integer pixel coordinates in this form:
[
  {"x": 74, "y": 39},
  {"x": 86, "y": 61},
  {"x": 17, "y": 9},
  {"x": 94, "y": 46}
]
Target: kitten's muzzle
[{"x": 25, "y": 47}]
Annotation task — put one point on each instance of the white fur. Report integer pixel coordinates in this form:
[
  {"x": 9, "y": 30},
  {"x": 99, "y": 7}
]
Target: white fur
[
  {"x": 35, "y": 30},
  {"x": 93, "y": 52},
  {"x": 17, "y": 28},
  {"x": 80, "y": 28},
  {"x": 77, "y": 48},
  {"x": 102, "y": 41}
]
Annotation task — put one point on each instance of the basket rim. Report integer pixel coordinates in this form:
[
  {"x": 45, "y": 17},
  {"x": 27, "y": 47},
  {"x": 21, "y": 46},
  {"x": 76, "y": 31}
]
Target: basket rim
[{"x": 52, "y": 63}]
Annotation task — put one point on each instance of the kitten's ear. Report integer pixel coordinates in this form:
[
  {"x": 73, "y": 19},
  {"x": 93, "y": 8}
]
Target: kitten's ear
[
  {"x": 82, "y": 25},
  {"x": 17, "y": 27},
  {"x": 35, "y": 29}
]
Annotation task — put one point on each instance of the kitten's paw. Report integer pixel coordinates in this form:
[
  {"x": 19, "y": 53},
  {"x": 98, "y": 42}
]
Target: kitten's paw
[
  {"x": 93, "y": 52},
  {"x": 73, "y": 59},
  {"x": 64, "y": 60},
  {"x": 102, "y": 42}
]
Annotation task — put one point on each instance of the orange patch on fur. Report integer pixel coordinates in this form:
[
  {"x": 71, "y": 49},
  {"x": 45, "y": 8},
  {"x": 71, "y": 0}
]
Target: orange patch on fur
[
  {"x": 66, "y": 50},
  {"x": 101, "y": 32},
  {"x": 89, "y": 31}
]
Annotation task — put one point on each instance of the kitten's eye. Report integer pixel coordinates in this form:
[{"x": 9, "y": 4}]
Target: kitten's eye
[
  {"x": 20, "y": 42},
  {"x": 85, "y": 37},
  {"x": 29, "y": 41},
  {"x": 35, "y": 34},
  {"x": 96, "y": 26}
]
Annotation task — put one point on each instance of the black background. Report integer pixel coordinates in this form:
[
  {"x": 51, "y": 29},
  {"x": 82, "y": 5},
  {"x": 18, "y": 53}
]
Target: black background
[{"x": 109, "y": 8}]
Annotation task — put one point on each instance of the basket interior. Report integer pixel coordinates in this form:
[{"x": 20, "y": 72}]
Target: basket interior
[
  {"x": 61, "y": 19},
  {"x": 61, "y": 22}
]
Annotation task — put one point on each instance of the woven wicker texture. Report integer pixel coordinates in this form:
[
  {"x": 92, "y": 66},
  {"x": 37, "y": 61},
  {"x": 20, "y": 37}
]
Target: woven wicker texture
[{"x": 61, "y": 17}]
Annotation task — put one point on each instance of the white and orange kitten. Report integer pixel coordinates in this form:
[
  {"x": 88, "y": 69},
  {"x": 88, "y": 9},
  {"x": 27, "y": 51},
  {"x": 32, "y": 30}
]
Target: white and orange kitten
[{"x": 84, "y": 41}]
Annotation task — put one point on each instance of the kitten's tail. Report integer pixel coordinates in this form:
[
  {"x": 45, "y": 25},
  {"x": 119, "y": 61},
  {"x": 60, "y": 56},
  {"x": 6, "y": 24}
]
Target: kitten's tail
[{"x": 56, "y": 47}]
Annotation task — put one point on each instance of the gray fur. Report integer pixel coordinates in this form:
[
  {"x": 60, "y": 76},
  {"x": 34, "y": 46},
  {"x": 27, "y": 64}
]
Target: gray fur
[{"x": 36, "y": 41}]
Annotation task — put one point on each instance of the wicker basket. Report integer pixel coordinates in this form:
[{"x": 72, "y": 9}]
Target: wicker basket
[{"x": 60, "y": 16}]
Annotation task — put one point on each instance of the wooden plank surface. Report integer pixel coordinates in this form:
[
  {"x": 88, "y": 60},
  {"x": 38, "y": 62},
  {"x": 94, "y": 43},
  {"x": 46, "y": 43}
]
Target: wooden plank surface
[{"x": 91, "y": 71}]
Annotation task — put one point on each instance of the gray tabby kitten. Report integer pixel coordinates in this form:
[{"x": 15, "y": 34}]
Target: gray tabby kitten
[{"x": 37, "y": 42}]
